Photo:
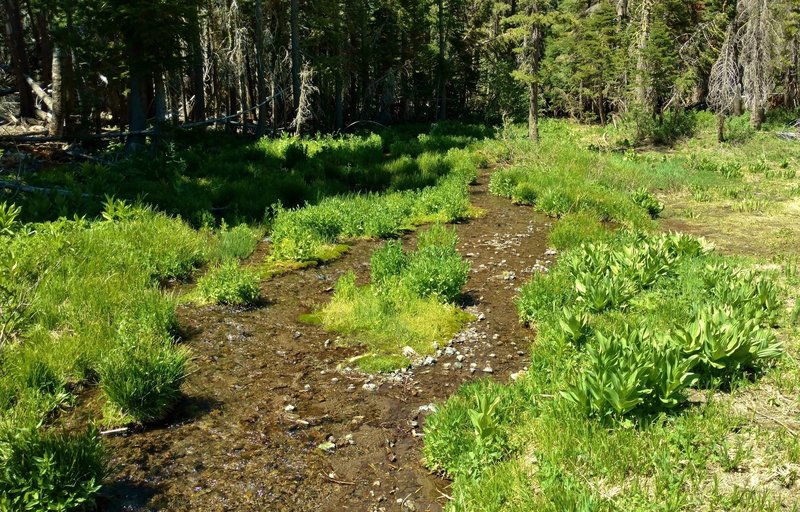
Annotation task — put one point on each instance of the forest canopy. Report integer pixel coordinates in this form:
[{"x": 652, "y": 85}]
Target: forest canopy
[{"x": 322, "y": 65}]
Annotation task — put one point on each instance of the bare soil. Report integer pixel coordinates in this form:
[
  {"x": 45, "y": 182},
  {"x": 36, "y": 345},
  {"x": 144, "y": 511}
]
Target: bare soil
[{"x": 267, "y": 390}]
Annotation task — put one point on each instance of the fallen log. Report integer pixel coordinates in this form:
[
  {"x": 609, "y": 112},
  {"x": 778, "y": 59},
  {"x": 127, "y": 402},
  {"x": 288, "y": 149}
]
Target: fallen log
[
  {"x": 37, "y": 89},
  {"x": 788, "y": 135},
  {"x": 40, "y": 190}
]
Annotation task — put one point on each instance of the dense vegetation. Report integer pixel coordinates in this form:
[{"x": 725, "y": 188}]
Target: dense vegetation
[
  {"x": 633, "y": 328},
  {"x": 646, "y": 340}
]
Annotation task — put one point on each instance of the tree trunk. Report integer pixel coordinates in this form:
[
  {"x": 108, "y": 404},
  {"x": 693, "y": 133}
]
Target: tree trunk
[
  {"x": 296, "y": 64},
  {"x": 721, "y": 127},
  {"x": 19, "y": 57},
  {"x": 756, "y": 117},
  {"x": 442, "y": 63},
  {"x": 338, "y": 111},
  {"x": 56, "y": 127},
  {"x": 643, "y": 89},
  {"x": 45, "y": 45},
  {"x": 198, "y": 82},
  {"x": 137, "y": 95},
  {"x": 261, "y": 126},
  {"x": 533, "y": 111}
]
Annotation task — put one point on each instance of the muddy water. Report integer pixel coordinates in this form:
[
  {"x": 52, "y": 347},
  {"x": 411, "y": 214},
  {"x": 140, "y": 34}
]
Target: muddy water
[{"x": 265, "y": 392}]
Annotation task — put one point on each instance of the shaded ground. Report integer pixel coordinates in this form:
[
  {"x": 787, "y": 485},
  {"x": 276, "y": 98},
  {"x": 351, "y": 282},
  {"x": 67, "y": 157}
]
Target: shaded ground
[{"x": 266, "y": 392}]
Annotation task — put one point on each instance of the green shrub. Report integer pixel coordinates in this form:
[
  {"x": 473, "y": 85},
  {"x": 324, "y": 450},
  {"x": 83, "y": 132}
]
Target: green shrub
[
  {"x": 238, "y": 242},
  {"x": 727, "y": 345},
  {"x": 629, "y": 371},
  {"x": 525, "y": 193},
  {"x": 9, "y": 213},
  {"x": 141, "y": 379},
  {"x": 436, "y": 269},
  {"x": 229, "y": 284},
  {"x": 647, "y": 202},
  {"x": 49, "y": 471}
]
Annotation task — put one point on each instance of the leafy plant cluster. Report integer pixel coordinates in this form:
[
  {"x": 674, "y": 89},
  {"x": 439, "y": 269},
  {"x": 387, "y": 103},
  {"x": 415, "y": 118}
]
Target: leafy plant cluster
[
  {"x": 205, "y": 177},
  {"x": 408, "y": 302},
  {"x": 81, "y": 304},
  {"x": 638, "y": 369},
  {"x": 229, "y": 284},
  {"x": 302, "y": 234}
]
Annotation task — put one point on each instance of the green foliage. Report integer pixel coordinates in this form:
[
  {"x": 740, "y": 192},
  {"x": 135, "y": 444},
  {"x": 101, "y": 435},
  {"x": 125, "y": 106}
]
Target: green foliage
[
  {"x": 237, "y": 242},
  {"x": 229, "y": 284},
  {"x": 50, "y": 471},
  {"x": 141, "y": 379},
  {"x": 407, "y": 303},
  {"x": 574, "y": 326},
  {"x": 9, "y": 213},
  {"x": 575, "y": 229},
  {"x": 437, "y": 271},
  {"x": 388, "y": 262},
  {"x": 647, "y": 202},
  {"x": 727, "y": 345},
  {"x": 630, "y": 370}
]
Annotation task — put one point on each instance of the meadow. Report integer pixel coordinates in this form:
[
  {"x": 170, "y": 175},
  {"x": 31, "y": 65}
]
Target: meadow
[{"x": 663, "y": 368}]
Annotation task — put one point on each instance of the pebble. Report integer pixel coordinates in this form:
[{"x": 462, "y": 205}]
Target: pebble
[
  {"x": 488, "y": 369},
  {"x": 409, "y": 352},
  {"x": 460, "y": 357},
  {"x": 369, "y": 386},
  {"x": 458, "y": 365},
  {"x": 429, "y": 361},
  {"x": 481, "y": 317},
  {"x": 351, "y": 387},
  {"x": 289, "y": 408}
]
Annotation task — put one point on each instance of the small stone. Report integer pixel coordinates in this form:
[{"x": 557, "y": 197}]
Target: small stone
[
  {"x": 481, "y": 317},
  {"x": 297, "y": 334},
  {"x": 327, "y": 447},
  {"x": 429, "y": 361},
  {"x": 414, "y": 423},
  {"x": 495, "y": 336},
  {"x": 409, "y": 352},
  {"x": 351, "y": 387},
  {"x": 473, "y": 365},
  {"x": 488, "y": 369},
  {"x": 492, "y": 355},
  {"x": 425, "y": 409},
  {"x": 460, "y": 357},
  {"x": 369, "y": 386},
  {"x": 446, "y": 366},
  {"x": 289, "y": 408},
  {"x": 449, "y": 351},
  {"x": 458, "y": 365},
  {"x": 307, "y": 387}
]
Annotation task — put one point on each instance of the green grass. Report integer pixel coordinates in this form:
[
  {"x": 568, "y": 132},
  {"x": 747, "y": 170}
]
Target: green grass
[
  {"x": 228, "y": 284},
  {"x": 407, "y": 304},
  {"x": 600, "y": 421}
]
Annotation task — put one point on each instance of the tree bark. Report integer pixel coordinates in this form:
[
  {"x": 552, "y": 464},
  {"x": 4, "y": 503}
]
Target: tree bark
[
  {"x": 57, "y": 110},
  {"x": 533, "y": 111},
  {"x": 261, "y": 126},
  {"x": 19, "y": 57},
  {"x": 442, "y": 63},
  {"x": 643, "y": 92},
  {"x": 721, "y": 127},
  {"x": 137, "y": 97},
  {"x": 198, "y": 82},
  {"x": 296, "y": 64}
]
